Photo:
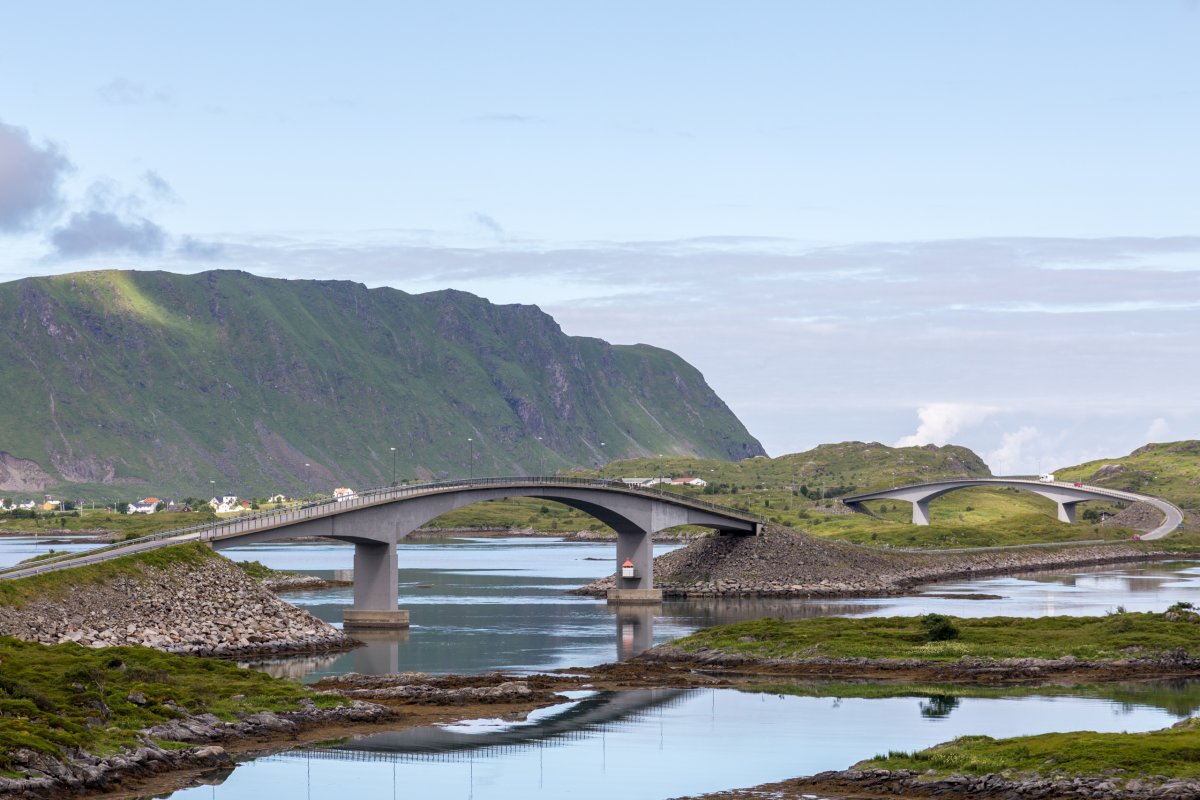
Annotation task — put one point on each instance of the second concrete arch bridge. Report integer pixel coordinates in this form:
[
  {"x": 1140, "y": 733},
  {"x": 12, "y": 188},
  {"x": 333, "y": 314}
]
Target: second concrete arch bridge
[{"x": 1066, "y": 494}]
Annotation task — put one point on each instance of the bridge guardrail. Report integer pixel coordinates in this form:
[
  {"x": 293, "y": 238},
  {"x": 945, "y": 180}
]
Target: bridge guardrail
[{"x": 264, "y": 520}]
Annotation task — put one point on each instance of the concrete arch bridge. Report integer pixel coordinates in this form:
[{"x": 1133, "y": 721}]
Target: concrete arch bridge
[
  {"x": 374, "y": 521},
  {"x": 1065, "y": 494}
]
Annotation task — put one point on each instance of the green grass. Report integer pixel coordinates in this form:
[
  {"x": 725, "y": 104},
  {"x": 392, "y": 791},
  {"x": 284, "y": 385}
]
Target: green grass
[
  {"x": 1017, "y": 530},
  {"x": 824, "y": 470},
  {"x": 1174, "y": 752},
  {"x": 260, "y": 571},
  {"x": 1105, "y": 638},
  {"x": 66, "y": 696},
  {"x": 59, "y": 584},
  {"x": 125, "y": 526},
  {"x": 1170, "y": 470}
]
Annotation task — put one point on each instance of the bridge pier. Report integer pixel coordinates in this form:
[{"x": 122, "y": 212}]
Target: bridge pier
[
  {"x": 635, "y": 546},
  {"x": 375, "y": 588},
  {"x": 920, "y": 512},
  {"x": 1066, "y": 512}
]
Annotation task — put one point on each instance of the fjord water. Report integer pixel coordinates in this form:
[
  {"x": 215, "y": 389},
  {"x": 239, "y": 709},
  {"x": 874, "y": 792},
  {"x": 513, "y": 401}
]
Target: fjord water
[
  {"x": 500, "y": 604},
  {"x": 481, "y": 604}
]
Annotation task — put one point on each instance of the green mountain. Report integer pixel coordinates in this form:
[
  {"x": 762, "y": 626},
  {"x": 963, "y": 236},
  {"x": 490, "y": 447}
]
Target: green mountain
[
  {"x": 224, "y": 381},
  {"x": 828, "y": 470},
  {"x": 1170, "y": 470}
]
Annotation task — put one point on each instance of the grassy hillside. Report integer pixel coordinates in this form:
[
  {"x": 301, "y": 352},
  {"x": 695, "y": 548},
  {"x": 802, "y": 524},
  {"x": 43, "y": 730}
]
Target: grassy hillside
[
  {"x": 223, "y": 381},
  {"x": 828, "y": 470},
  {"x": 1170, "y": 470}
]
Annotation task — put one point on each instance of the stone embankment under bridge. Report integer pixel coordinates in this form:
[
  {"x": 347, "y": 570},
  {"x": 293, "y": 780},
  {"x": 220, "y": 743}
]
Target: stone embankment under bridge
[
  {"x": 785, "y": 563},
  {"x": 200, "y": 604}
]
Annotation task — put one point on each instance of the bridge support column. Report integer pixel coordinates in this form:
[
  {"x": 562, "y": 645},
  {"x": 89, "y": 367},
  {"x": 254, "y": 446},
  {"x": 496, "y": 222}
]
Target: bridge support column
[
  {"x": 635, "y": 546},
  {"x": 920, "y": 512},
  {"x": 375, "y": 588},
  {"x": 1066, "y": 512}
]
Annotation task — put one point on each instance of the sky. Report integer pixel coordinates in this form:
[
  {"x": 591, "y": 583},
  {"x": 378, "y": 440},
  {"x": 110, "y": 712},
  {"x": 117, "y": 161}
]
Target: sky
[{"x": 908, "y": 222}]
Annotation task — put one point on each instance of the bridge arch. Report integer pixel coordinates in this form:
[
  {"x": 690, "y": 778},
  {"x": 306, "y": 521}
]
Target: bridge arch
[
  {"x": 1066, "y": 495},
  {"x": 374, "y": 522}
]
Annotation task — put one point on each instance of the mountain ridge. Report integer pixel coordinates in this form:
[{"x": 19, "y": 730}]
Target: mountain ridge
[{"x": 226, "y": 380}]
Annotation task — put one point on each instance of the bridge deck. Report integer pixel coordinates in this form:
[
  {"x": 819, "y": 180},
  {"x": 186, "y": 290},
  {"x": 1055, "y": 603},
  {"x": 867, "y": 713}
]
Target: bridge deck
[{"x": 282, "y": 518}]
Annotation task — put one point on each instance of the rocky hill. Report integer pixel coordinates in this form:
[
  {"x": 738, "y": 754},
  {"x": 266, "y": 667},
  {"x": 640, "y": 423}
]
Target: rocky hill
[
  {"x": 224, "y": 381},
  {"x": 1170, "y": 470}
]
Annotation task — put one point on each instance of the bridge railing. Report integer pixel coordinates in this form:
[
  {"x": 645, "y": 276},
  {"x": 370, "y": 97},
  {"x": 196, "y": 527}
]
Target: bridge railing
[{"x": 316, "y": 509}]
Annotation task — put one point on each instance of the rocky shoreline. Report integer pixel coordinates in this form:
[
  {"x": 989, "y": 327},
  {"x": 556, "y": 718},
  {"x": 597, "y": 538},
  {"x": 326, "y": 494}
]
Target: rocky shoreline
[
  {"x": 784, "y": 563},
  {"x": 963, "y": 670},
  {"x": 400, "y": 700},
  {"x": 880, "y": 783},
  {"x": 81, "y": 772}
]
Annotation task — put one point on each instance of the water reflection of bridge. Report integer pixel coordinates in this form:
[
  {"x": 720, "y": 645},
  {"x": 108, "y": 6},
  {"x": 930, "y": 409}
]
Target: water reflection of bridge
[{"x": 578, "y": 720}]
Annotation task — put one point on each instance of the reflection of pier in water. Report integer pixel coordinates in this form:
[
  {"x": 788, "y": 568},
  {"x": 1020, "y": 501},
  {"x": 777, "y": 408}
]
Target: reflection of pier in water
[{"x": 581, "y": 719}]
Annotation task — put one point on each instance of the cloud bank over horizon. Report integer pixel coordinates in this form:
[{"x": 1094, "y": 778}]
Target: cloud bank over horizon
[{"x": 1034, "y": 352}]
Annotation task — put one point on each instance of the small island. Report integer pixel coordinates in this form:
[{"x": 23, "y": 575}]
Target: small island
[{"x": 1117, "y": 646}]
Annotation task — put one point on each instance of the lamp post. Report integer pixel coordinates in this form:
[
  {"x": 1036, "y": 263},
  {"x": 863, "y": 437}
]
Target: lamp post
[
  {"x": 393, "y": 466},
  {"x": 541, "y": 456},
  {"x": 308, "y": 477},
  {"x": 471, "y": 468}
]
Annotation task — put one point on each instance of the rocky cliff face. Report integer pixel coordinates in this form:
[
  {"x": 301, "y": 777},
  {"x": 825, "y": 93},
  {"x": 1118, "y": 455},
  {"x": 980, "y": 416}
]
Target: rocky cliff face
[
  {"x": 22, "y": 475},
  {"x": 171, "y": 381}
]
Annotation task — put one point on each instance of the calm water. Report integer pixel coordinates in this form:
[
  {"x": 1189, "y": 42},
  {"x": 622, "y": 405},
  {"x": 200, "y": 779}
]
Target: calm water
[
  {"x": 484, "y": 604},
  {"x": 500, "y": 604},
  {"x": 654, "y": 744}
]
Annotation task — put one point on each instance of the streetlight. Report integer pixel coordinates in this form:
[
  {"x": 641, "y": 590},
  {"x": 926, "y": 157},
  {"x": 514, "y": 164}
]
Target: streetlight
[
  {"x": 308, "y": 477},
  {"x": 471, "y": 469},
  {"x": 393, "y": 466},
  {"x": 541, "y": 456}
]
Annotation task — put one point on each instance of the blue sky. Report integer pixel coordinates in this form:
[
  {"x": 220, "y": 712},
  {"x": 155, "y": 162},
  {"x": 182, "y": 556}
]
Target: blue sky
[{"x": 899, "y": 221}]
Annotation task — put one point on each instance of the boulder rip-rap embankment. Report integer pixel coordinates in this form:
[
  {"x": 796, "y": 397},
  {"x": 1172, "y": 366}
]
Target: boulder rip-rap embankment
[
  {"x": 787, "y": 563},
  {"x": 181, "y": 599}
]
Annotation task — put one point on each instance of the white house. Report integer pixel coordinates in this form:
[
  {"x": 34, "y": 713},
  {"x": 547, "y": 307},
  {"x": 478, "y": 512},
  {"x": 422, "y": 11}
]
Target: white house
[
  {"x": 224, "y": 504},
  {"x": 342, "y": 493},
  {"x": 146, "y": 506},
  {"x": 276, "y": 498},
  {"x": 688, "y": 482},
  {"x": 28, "y": 505}
]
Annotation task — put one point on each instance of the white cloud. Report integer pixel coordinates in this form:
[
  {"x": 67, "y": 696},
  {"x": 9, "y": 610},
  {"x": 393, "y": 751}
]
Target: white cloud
[
  {"x": 29, "y": 179},
  {"x": 1008, "y": 458},
  {"x": 1158, "y": 431},
  {"x": 941, "y": 422}
]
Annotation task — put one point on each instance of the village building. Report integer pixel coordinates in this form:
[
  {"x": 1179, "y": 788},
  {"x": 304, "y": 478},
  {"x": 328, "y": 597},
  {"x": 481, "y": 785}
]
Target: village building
[{"x": 224, "y": 504}]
